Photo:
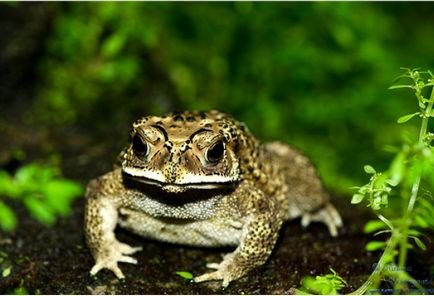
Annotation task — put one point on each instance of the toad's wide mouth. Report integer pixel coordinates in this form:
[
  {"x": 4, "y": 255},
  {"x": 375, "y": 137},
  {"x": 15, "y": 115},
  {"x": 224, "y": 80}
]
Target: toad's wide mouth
[{"x": 180, "y": 187}]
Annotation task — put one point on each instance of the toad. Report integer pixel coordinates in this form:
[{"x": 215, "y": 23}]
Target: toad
[{"x": 202, "y": 179}]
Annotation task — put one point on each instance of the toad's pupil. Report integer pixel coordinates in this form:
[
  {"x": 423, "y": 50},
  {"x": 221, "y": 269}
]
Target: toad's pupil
[
  {"x": 139, "y": 146},
  {"x": 215, "y": 153}
]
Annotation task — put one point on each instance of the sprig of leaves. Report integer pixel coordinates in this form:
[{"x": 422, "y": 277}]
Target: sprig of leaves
[
  {"x": 418, "y": 81},
  {"x": 40, "y": 188},
  {"x": 376, "y": 191},
  {"x": 411, "y": 163},
  {"x": 327, "y": 284}
]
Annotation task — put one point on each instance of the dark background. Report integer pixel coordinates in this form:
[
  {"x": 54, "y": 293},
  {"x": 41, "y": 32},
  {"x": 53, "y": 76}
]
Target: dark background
[{"x": 311, "y": 74}]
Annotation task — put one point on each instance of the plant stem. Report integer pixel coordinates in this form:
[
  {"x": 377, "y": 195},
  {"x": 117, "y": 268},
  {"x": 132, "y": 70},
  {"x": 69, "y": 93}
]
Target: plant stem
[
  {"x": 415, "y": 188},
  {"x": 400, "y": 235},
  {"x": 382, "y": 263}
]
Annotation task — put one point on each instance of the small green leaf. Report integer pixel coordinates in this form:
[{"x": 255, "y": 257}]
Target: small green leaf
[
  {"x": 20, "y": 291},
  {"x": 392, "y": 182},
  {"x": 397, "y": 169},
  {"x": 59, "y": 193},
  {"x": 419, "y": 243},
  {"x": 39, "y": 210},
  {"x": 414, "y": 232},
  {"x": 376, "y": 204},
  {"x": 113, "y": 45},
  {"x": 319, "y": 285},
  {"x": 324, "y": 285},
  {"x": 8, "y": 220},
  {"x": 185, "y": 274},
  {"x": 400, "y": 86},
  {"x": 7, "y": 271},
  {"x": 384, "y": 199},
  {"x": 374, "y": 225},
  {"x": 420, "y": 221},
  {"x": 374, "y": 245},
  {"x": 407, "y": 117},
  {"x": 8, "y": 186},
  {"x": 357, "y": 198},
  {"x": 369, "y": 169}
]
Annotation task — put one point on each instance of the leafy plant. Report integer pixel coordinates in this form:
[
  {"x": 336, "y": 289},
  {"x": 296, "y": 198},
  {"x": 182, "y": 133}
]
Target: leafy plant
[
  {"x": 41, "y": 189},
  {"x": 402, "y": 182},
  {"x": 413, "y": 209},
  {"x": 328, "y": 284}
]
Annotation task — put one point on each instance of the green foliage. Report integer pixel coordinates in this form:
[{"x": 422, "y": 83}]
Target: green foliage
[
  {"x": 325, "y": 285},
  {"x": 401, "y": 184},
  {"x": 19, "y": 291},
  {"x": 312, "y": 74},
  {"x": 376, "y": 190},
  {"x": 41, "y": 190}
]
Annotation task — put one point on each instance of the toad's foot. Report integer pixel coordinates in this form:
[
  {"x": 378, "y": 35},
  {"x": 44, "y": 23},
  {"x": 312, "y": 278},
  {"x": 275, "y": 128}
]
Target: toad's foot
[
  {"x": 114, "y": 253},
  {"x": 227, "y": 271},
  {"x": 327, "y": 215}
]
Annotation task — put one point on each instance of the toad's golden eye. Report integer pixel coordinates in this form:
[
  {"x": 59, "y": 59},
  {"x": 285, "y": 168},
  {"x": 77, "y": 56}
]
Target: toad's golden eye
[
  {"x": 215, "y": 152},
  {"x": 140, "y": 147}
]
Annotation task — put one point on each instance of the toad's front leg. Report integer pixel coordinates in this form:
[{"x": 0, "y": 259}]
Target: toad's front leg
[
  {"x": 258, "y": 238},
  {"x": 101, "y": 215}
]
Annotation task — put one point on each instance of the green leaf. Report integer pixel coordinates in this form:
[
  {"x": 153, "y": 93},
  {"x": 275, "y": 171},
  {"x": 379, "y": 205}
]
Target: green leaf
[
  {"x": 374, "y": 225},
  {"x": 407, "y": 117},
  {"x": 369, "y": 169},
  {"x": 376, "y": 204},
  {"x": 8, "y": 220},
  {"x": 374, "y": 245},
  {"x": 392, "y": 182},
  {"x": 414, "y": 232},
  {"x": 318, "y": 285},
  {"x": 39, "y": 210},
  {"x": 20, "y": 291},
  {"x": 7, "y": 271},
  {"x": 357, "y": 198},
  {"x": 325, "y": 285},
  {"x": 384, "y": 199},
  {"x": 397, "y": 169},
  {"x": 419, "y": 243},
  {"x": 400, "y": 86},
  {"x": 420, "y": 221},
  {"x": 8, "y": 186},
  {"x": 185, "y": 274},
  {"x": 113, "y": 45},
  {"x": 59, "y": 194}
]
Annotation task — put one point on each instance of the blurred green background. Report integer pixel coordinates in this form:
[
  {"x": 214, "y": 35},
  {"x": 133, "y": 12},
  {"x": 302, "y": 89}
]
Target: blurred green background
[{"x": 312, "y": 74}]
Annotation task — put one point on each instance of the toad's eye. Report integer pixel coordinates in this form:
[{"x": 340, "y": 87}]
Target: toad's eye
[
  {"x": 140, "y": 147},
  {"x": 215, "y": 152}
]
